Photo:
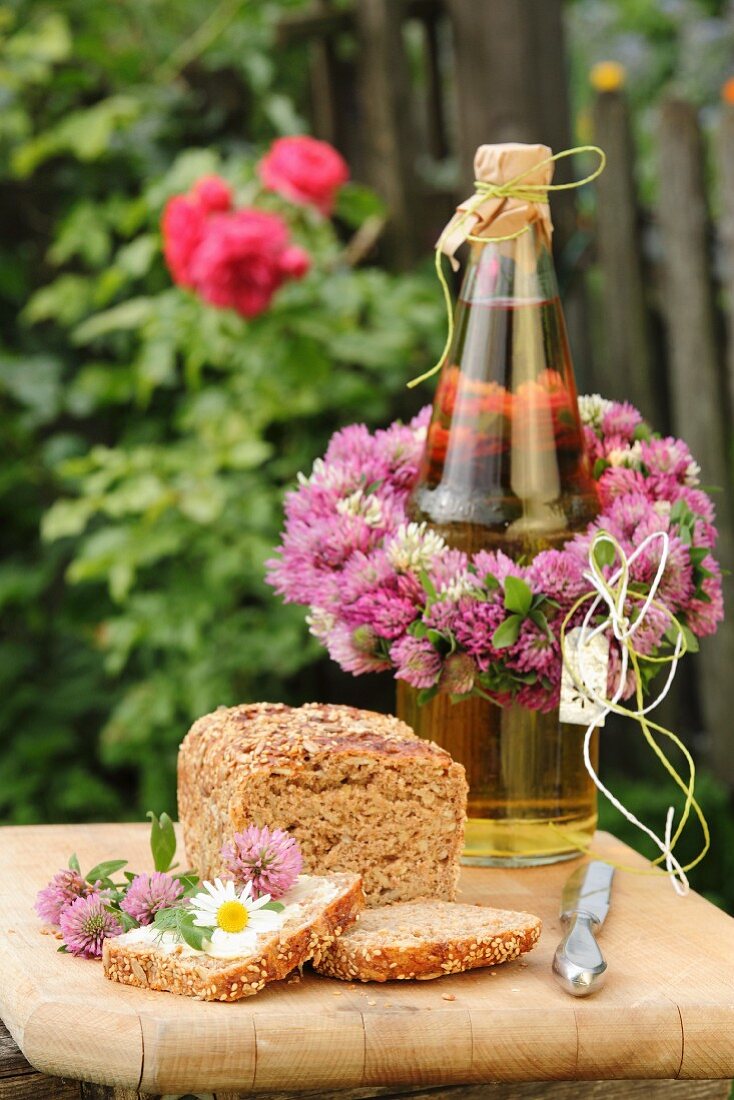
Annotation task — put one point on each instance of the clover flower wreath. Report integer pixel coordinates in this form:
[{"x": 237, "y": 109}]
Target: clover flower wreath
[{"x": 387, "y": 594}]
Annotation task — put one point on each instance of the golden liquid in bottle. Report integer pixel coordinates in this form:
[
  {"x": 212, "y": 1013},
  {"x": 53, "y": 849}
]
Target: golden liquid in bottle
[
  {"x": 531, "y": 800},
  {"x": 505, "y": 469}
]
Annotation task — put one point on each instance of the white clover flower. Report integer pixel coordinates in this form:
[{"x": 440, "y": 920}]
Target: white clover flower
[
  {"x": 463, "y": 584},
  {"x": 357, "y": 504},
  {"x": 592, "y": 409},
  {"x": 330, "y": 477},
  {"x": 693, "y": 474},
  {"x": 320, "y": 623},
  {"x": 631, "y": 457},
  {"x": 414, "y": 548}
]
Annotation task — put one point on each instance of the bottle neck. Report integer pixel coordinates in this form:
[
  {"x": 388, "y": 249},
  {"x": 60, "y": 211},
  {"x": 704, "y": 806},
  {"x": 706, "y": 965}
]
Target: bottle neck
[
  {"x": 504, "y": 460},
  {"x": 519, "y": 270}
]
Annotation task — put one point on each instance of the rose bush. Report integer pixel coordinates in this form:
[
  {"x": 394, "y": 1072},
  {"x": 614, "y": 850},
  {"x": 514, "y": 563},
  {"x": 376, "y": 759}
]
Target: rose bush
[
  {"x": 243, "y": 259},
  {"x": 148, "y": 432},
  {"x": 168, "y": 527}
]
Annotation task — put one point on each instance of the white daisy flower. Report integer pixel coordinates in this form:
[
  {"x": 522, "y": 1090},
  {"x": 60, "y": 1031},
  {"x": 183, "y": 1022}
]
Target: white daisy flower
[{"x": 237, "y": 919}]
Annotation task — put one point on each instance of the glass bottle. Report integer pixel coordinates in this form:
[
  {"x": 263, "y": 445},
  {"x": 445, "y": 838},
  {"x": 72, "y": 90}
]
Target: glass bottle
[{"x": 505, "y": 469}]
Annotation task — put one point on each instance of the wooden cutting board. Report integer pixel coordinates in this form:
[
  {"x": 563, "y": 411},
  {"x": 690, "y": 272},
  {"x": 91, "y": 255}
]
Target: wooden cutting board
[{"x": 666, "y": 1011}]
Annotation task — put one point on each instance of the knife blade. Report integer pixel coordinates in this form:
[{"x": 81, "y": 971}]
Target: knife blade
[{"x": 578, "y": 963}]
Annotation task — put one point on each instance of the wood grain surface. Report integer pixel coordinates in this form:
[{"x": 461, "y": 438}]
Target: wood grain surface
[
  {"x": 667, "y": 1010},
  {"x": 18, "y": 1081}
]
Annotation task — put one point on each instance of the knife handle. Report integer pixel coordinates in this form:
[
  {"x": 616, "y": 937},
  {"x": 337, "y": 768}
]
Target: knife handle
[{"x": 578, "y": 963}]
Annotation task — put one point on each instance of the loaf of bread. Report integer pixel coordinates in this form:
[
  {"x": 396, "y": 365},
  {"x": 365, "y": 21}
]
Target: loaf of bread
[
  {"x": 318, "y": 909},
  {"x": 359, "y": 791},
  {"x": 427, "y": 939}
]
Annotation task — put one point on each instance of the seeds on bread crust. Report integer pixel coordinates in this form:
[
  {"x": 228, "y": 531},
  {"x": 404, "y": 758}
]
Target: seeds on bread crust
[{"x": 427, "y": 939}]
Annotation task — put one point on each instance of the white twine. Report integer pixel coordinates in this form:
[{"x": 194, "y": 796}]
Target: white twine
[{"x": 624, "y": 630}]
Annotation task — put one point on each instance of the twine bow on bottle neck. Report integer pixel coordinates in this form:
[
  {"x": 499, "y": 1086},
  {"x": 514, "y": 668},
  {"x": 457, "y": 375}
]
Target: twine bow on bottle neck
[
  {"x": 499, "y": 204},
  {"x": 615, "y": 594}
]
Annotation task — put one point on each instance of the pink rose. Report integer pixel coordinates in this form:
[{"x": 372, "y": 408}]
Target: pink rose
[
  {"x": 184, "y": 223},
  {"x": 234, "y": 259},
  {"x": 242, "y": 260},
  {"x": 304, "y": 170},
  {"x": 295, "y": 262},
  {"x": 183, "y": 228},
  {"x": 214, "y": 194}
]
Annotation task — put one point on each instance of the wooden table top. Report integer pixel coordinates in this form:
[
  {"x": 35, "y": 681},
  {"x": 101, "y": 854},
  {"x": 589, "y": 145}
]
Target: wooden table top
[{"x": 667, "y": 1009}]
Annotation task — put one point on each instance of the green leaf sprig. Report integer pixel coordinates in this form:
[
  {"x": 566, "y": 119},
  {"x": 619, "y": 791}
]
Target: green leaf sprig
[
  {"x": 163, "y": 850},
  {"x": 162, "y": 841},
  {"x": 522, "y": 605},
  {"x": 180, "y": 921}
]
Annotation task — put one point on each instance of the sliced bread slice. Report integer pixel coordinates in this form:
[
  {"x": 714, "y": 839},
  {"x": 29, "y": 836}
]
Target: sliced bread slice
[
  {"x": 318, "y": 909},
  {"x": 427, "y": 939}
]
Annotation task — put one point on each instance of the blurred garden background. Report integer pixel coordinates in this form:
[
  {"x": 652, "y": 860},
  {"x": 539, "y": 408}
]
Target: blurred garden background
[{"x": 148, "y": 436}]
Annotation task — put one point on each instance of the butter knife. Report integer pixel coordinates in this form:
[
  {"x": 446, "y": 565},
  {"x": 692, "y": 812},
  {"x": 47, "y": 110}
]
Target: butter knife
[{"x": 578, "y": 963}]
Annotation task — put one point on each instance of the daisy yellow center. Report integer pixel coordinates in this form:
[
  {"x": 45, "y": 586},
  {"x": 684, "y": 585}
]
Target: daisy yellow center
[{"x": 232, "y": 916}]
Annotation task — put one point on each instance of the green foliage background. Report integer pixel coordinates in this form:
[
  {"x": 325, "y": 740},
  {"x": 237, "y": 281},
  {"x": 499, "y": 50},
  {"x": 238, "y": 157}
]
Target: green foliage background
[{"x": 147, "y": 440}]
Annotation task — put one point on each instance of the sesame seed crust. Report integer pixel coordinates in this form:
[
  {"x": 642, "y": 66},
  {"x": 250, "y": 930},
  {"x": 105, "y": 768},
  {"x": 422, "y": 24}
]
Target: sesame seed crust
[
  {"x": 427, "y": 939},
  {"x": 255, "y": 736},
  {"x": 210, "y": 979}
]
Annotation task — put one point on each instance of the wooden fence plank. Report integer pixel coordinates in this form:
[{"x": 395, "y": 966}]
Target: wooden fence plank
[
  {"x": 725, "y": 150},
  {"x": 323, "y": 79},
  {"x": 386, "y": 104},
  {"x": 626, "y": 367},
  {"x": 313, "y": 23},
  {"x": 626, "y": 356},
  {"x": 511, "y": 85},
  {"x": 436, "y": 130},
  {"x": 696, "y": 383}
]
